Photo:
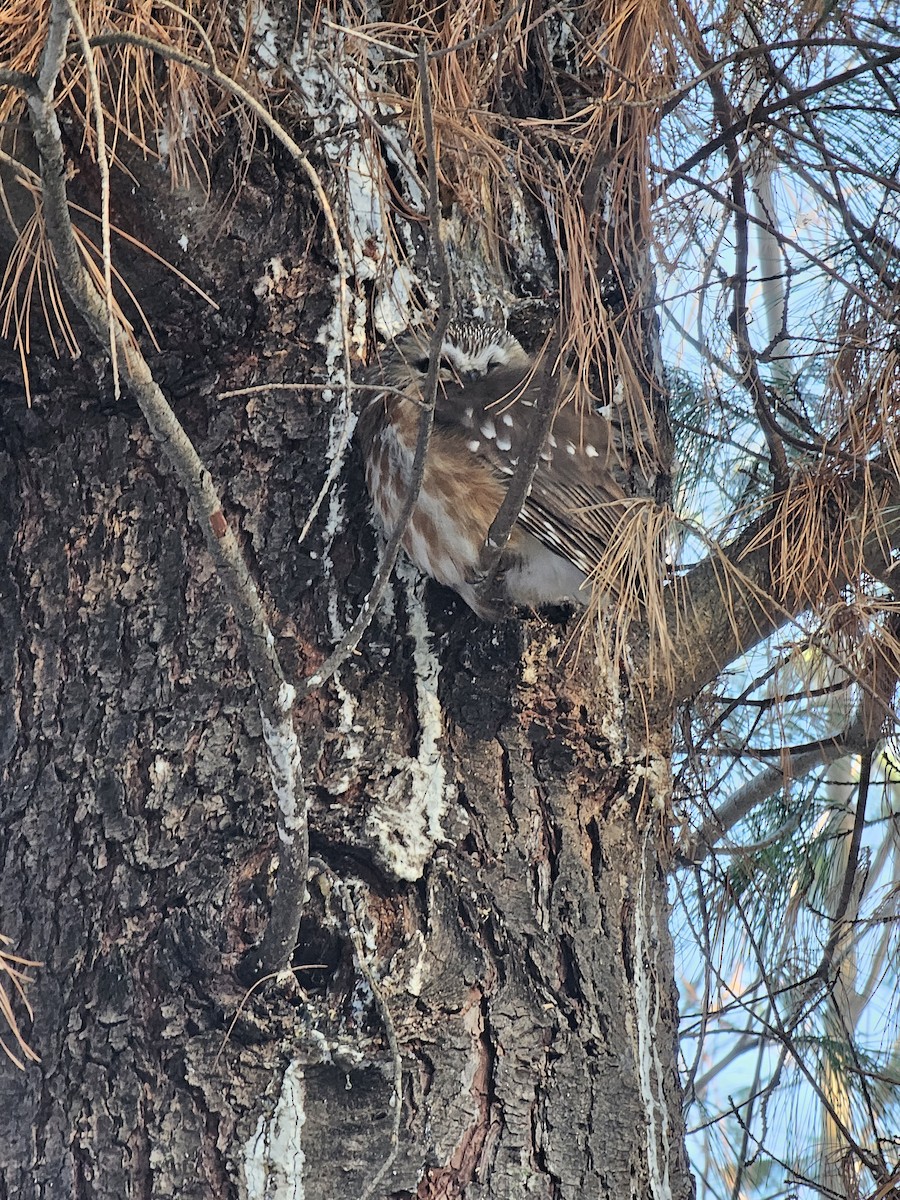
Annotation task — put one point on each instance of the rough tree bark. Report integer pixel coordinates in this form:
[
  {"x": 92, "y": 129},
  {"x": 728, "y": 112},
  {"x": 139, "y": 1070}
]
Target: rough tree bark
[{"x": 491, "y": 817}]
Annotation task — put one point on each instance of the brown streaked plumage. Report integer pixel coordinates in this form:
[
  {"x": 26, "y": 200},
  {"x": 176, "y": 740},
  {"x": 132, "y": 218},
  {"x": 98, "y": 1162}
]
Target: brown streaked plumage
[{"x": 487, "y": 391}]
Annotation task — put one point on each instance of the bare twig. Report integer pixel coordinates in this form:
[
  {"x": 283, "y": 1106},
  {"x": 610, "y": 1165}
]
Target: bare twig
[
  {"x": 727, "y": 603},
  {"x": 748, "y": 53},
  {"x": 759, "y": 114},
  {"x": 18, "y": 80},
  {"x": 753, "y": 1096},
  {"x": 103, "y": 167},
  {"x": 276, "y": 696},
  {"x": 258, "y": 388},
  {"x": 782, "y": 1031},
  {"x": 884, "y": 251},
  {"x": 292, "y": 828},
  {"x": 520, "y": 485},
  {"x": 793, "y": 766},
  {"x": 751, "y": 378},
  {"x": 806, "y": 994},
  {"x": 785, "y": 239},
  {"x": 426, "y": 421},
  {"x": 839, "y": 929},
  {"x": 54, "y": 53},
  {"x": 836, "y": 198},
  {"x": 211, "y": 71}
]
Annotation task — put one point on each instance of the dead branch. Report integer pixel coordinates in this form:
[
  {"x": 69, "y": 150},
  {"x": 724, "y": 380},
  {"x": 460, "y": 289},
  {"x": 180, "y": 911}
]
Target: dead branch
[
  {"x": 211, "y": 71},
  {"x": 751, "y": 378},
  {"x": 730, "y": 602},
  {"x": 426, "y": 421},
  {"x": 529, "y": 458},
  {"x": 275, "y": 694},
  {"x": 868, "y": 299},
  {"x": 761, "y": 112},
  {"x": 715, "y": 829}
]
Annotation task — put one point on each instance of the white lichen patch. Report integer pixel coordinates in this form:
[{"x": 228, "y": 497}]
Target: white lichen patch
[
  {"x": 160, "y": 771},
  {"x": 364, "y": 211},
  {"x": 340, "y": 429},
  {"x": 352, "y": 731},
  {"x": 416, "y": 950},
  {"x": 656, "y": 773},
  {"x": 407, "y": 821},
  {"x": 337, "y": 95},
  {"x": 182, "y": 119},
  {"x": 612, "y": 722},
  {"x": 393, "y": 303},
  {"x": 477, "y": 275},
  {"x": 284, "y": 759},
  {"x": 650, "y": 1068},
  {"x": 262, "y": 27},
  {"x": 273, "y": 1154},
  {"x": 272, "y": 275}
]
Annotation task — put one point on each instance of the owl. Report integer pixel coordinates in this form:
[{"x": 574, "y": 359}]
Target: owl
[{"x": 486, "y": 398}]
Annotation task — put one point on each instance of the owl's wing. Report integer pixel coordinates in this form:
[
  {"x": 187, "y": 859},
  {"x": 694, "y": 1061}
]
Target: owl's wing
[{"x": 576, "y": 498}]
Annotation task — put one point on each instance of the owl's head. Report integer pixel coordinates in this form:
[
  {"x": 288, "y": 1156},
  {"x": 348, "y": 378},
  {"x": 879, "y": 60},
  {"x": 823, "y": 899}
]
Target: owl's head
[{"x": 470, "y": 351}]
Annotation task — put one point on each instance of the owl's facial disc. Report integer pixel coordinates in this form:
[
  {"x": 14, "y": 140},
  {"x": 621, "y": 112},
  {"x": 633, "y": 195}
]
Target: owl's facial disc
[
  {"x": 470, "y": 351},
  {"x": 474, "y": 362},
  {"x": 460, "y": 365}
]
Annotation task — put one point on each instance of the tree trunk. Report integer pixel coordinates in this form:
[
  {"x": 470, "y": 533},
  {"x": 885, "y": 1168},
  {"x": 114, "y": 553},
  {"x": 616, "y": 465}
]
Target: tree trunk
[{"x": 489, "y": 896}]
